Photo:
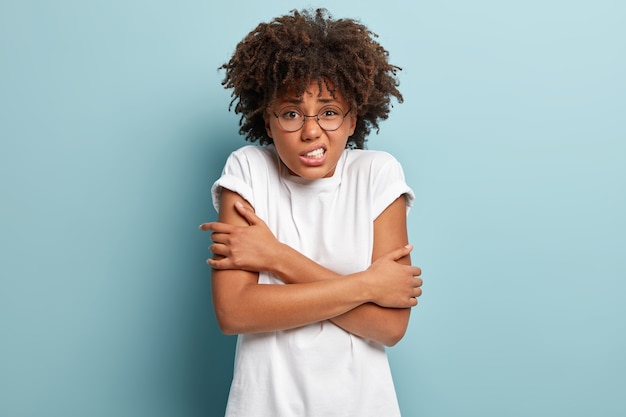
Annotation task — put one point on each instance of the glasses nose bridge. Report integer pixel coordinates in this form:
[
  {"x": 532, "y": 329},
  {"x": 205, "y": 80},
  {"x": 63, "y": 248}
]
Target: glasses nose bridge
[{"x": 315, "y": 116}]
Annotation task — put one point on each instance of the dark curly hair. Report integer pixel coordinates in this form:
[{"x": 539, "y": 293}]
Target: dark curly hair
[{"x": 289, "y": 52}]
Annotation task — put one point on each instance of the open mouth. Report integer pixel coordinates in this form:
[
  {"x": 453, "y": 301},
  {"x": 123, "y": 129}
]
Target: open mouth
[
  {"x": 315, "y": 157},
  {"x": 315, "y": 154}
]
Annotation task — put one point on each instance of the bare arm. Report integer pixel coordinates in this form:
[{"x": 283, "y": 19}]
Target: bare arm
[
  {"x": 244, "y": 306},
  {"x": 371, "y": 321},
  {"x": 255, "y": 248}
]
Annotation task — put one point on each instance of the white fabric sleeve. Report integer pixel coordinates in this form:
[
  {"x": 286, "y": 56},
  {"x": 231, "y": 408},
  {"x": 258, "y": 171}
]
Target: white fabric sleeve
[
  {"x": 236, "y": 176},
  {"x": 388, "y": 183}
]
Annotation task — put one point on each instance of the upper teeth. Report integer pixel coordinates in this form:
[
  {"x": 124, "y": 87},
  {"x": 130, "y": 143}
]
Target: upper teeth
[{"x": 316, "y": 153}]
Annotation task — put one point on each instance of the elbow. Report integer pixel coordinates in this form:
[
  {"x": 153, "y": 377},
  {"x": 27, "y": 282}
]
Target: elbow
[
  {"x": 393, "y": 337},
  {"x": 227, "y": 329},
  {"x": 391, "y": 342},
  {"x": 227, "y": 323},
  {"x": 394, "y": 332}
]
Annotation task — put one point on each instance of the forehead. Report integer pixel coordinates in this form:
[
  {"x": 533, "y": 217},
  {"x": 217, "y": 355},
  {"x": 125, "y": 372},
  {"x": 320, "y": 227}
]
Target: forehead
[{"x": 317, "y": 91}]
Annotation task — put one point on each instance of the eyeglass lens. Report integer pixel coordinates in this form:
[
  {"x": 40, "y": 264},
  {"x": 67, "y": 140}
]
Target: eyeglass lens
[{"x": 292, "y": 118}]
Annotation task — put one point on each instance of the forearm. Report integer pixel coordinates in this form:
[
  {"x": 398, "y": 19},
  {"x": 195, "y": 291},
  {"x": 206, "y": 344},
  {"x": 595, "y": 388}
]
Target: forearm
[
  {"x": 370, "y": 321},
  {"x": 243, "y": 306},
  {"x": 380, "y": 324},
  {"x": 371, "y": 303},
  {"x": 295, "y": 268}
]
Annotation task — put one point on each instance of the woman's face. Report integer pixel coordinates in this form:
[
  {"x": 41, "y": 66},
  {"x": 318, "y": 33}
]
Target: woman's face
[{"x": 310, "y": 152}]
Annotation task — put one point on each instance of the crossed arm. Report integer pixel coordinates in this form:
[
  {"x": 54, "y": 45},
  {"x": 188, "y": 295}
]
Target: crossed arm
[{"x": 374, "y": 303}]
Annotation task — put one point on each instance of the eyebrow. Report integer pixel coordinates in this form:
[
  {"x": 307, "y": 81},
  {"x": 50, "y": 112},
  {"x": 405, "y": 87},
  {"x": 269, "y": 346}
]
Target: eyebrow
[{"x": 300, "y": 100}]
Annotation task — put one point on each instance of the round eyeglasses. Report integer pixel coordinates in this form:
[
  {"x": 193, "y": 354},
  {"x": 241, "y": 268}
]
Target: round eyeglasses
[{"x": 292, "y": 119}]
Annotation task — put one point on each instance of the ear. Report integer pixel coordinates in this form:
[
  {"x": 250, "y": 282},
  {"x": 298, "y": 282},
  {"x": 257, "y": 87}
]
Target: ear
[
  {"x": 352, "y": 125},
  {"x": 268, "y": 129}
]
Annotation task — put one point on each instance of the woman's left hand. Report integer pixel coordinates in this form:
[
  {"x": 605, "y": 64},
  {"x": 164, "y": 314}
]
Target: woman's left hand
[{"x": 249, "y": 248}]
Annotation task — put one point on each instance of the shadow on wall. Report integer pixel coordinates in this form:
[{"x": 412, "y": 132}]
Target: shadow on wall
[{"x": 219, "y": 369}]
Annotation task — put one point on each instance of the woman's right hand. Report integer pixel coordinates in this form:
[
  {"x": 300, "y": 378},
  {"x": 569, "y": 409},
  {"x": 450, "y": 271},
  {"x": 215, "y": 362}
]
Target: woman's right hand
[
  {"x": 392, "y": 284},
  {"x": 249, "y": 248}
]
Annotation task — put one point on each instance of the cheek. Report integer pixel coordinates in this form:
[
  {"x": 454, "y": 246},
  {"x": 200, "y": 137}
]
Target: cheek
[{"x": 283, "y": 148}]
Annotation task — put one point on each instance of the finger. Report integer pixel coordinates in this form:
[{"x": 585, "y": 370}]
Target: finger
[
  {"x": 204, "y": 226},
  {"x": 219, "y": 263},
  {"x": 247, "y": 213},
  {"x": 220, "y": 250},
  {"x": 220, "y": 238},
  {"x": 218, "y": 227},
  {"x": 416, "y": 271},
  {"x": 400, "y": 252}
]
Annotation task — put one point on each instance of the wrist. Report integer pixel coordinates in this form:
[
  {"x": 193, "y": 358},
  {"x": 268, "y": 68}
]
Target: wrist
[
  {"x": 295, "y": 268},
  {"x": 279, "y": 264},
  {"x": 363, "y": 289}
]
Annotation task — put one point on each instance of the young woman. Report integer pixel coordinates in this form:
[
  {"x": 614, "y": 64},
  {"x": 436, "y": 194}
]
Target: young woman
[{"x": 311, "y": 262}]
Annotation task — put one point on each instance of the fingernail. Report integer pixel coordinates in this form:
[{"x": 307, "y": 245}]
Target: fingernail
[{"x": 238, "y": 204}]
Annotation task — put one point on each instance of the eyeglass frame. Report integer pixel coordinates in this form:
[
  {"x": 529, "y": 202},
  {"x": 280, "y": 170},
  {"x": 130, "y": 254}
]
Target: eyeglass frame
[{"x": 316, "y": 116}]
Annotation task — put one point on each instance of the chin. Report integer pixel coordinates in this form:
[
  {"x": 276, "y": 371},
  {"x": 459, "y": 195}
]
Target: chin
[{"x": 315, "y": 173}]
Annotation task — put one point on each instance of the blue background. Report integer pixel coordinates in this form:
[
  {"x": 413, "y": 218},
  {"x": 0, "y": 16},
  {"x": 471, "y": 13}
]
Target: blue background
[{"x": 113, "y": 126}]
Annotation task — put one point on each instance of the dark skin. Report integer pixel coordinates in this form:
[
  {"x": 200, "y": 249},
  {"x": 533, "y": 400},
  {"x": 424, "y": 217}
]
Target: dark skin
[
  {"x": 374, "y": 304},
  {"x": 292, "y": 50},
  {"x": 300, "y": 59}
]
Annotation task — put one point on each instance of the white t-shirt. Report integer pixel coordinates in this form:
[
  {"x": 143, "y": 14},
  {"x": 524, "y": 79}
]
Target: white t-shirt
[{"x": 318, "y": 370}]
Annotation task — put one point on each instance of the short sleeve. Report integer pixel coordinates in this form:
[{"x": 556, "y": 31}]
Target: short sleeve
[
  {"x": 389, "y": 183},
  {"x": 236, "y": 176}
]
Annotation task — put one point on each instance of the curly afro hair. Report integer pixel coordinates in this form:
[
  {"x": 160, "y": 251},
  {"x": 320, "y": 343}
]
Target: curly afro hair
[{"x": 289, "y": 52}]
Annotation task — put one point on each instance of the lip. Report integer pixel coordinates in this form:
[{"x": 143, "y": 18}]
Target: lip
[
  {"x": 312, "y": 148},
  {"x": 313, "y": 162}
]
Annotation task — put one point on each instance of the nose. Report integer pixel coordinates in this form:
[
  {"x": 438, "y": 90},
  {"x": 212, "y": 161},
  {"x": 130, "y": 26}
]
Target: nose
[{"x": 311, "y": 129}]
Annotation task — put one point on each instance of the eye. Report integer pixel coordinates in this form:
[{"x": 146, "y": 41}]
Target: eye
[
  {"x": 290, "y": 114},
  {"x": 330, "y": 113}
]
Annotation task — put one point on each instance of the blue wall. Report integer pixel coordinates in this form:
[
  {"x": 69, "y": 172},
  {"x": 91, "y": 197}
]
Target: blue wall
[{"x": 113, "y": 125}]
